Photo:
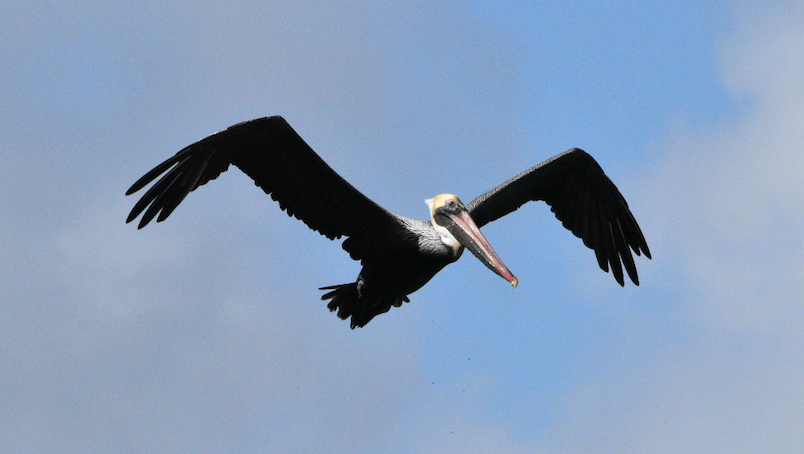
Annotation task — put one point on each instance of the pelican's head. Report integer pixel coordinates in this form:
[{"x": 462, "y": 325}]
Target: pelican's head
[{"x": 457, "y": 229}]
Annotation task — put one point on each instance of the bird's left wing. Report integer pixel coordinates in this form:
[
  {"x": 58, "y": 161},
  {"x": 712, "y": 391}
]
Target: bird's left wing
[
  {"x": 284, "y": 166},
  {"x": 583, "y": 198}
]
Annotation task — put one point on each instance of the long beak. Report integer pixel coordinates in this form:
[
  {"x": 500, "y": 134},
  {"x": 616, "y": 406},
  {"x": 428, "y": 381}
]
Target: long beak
[{"x": 468, "y": 234}]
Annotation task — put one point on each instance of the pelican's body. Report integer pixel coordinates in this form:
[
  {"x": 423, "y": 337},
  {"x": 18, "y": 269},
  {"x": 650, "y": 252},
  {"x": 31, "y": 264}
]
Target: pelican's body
[
  {"x": 387, "y": 282},
  {"x": 399, "y": 255}
]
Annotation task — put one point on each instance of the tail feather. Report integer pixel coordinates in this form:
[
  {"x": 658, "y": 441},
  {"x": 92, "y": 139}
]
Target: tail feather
[{"x": 349, "y": 302}]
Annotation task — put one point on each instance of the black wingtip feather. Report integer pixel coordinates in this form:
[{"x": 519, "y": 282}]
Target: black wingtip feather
[{"x": 624, "y": 252}]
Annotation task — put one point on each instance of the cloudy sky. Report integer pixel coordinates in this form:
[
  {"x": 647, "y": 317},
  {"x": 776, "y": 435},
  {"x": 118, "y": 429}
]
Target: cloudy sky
[{"x": 205, "y": 333}]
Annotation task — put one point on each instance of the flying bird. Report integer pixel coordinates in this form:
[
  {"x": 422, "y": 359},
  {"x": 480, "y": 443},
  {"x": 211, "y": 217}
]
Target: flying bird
[{"x": 398, "y": 254}]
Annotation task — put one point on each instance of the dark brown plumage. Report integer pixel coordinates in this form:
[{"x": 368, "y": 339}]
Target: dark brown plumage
[
  {"x": 583, "y": 198},
  {"x": 399, "y": 255}
]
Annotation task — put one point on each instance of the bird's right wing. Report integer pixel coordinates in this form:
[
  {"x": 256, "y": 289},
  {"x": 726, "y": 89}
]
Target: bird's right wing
[
  {"x": 583, "y": 198},
  {"x": 279, "y": 161}
]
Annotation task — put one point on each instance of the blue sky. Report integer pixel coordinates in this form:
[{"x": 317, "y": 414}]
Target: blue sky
[{"x": 205, "y": 333}]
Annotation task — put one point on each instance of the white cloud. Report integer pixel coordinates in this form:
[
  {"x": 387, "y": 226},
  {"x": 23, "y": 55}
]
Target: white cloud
[
  {"x": 729, "y": 239},
  {"x": 185, "y": 337},
  {"x": 736, "y": 195}
]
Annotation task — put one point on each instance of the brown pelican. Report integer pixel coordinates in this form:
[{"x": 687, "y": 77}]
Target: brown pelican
[{"x": 399, "y": 255}]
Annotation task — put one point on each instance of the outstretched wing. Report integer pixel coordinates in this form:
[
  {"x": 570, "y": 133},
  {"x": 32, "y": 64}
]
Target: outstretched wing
[
  {"x": 583, "y": 198},
  {"x": 284, "y": 166}
]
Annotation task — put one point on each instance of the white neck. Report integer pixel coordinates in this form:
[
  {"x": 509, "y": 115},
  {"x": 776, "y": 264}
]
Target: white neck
[{"x": 443, "y": 233}]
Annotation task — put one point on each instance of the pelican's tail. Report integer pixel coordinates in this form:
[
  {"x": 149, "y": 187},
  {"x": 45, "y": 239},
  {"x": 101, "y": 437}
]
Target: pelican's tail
[{"x": 349, "y": 301}]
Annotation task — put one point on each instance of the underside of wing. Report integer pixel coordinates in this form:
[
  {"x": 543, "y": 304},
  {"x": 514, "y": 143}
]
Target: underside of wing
[
  {"x": 279, "y": 161},
  {"x": 583, "y": 198}
]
